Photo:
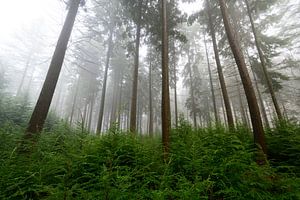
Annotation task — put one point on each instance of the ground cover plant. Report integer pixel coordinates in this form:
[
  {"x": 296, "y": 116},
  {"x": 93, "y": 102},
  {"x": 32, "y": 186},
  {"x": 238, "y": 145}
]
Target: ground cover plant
[{"x": 210, "y": 163}]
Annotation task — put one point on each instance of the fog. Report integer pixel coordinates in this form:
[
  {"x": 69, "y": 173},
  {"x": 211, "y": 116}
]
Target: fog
[{"x": 104, "y": 36}]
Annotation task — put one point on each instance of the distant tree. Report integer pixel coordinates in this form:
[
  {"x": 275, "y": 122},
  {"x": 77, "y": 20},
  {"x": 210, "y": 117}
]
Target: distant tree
[{"x": 43, "y": 104}]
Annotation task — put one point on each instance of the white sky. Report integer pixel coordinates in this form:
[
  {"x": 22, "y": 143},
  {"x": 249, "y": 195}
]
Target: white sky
[{"x": 15, "y": 14}]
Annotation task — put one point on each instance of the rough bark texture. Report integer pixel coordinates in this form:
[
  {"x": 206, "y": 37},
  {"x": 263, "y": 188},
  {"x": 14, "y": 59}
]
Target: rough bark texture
[
  {"x": 220, "y": 71},
  {"x": 165, "y": 107},
  {"x": 41, "y": 109},
  {"x": 263, "y": 64},
  {"x": 258, "y": 130},
  {"x": 211, "y": 84},
  {"x": 136, "y": 71},
  {"x": 103, "y": 94}
]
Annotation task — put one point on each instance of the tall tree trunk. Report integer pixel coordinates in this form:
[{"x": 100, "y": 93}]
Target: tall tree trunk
[
  {"x": 103, "y": 93},
  {"x": 165, "y": 107},
  {"x": 258, "y": 130},
  {"x": 211, "y": 83},
  {"x": 41, "y": 109},
  {"x": 219, "y": 68},
  {"x": 192, "y": 90},
  {"x": 263, "y": 64},
  {"x": 150, "y": 102},
  {"x": 136, "y": 71}
]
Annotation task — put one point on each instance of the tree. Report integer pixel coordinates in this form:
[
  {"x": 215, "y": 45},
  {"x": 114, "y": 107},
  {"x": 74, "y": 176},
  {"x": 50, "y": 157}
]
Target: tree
[
  {"x": 103, "y": 93},
  {"x": 42, "y": 106},
  {"x": 219, "y": 68},
  {"x": 258, "y": 130},
  {"x": 263, "y": 63},
  {"x": 165, "y": 106},
  {"x": 211, "y": 83}
]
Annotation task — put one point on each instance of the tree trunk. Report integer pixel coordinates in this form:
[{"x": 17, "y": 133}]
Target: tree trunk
[
  {"x": 41, "y": 109},
  {"x": 211, "y": 84},
  {"x": 165, "y": 107},
  {"x": 262, "y": 106},
  {"x": 242, "y": 110},
  {"x": 220, "y": 72},
  {"x": 263, "y": 64},
  {"x": 175, "y": 88},
  {"x": 150, "y": 102},
  {"x": 103, "y": 94},
  {"x": 74, "y": 102},
  {"x": 120, "y": 105},
  {"x": 258, "y": 130},
  {"x": 91, "y": 112},
  {"x": 136, "y": 71},
  {"x": 192, "y": 92}
]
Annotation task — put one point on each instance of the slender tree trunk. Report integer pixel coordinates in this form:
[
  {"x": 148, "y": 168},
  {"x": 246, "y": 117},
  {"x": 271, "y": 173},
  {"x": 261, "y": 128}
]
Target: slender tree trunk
[
  {"x": 120, "y": 104},
  {"x": 242, "y": 110},
  {"x": 175, "y": 102},
  {"x": 41, "y": 109},
  {"x": 165, "y": 107},
  {"x": 192, "y": 91},
  {"x": 103, "y": 93},
  {"x": 263, "y": 64},
  {"x": 175, "y": 88},
  {"x": 91, "y": 112},
  {"x": 220, "y": 72},
  {"x": 74, "y": 102},
  {"x": 258, "y": 130},
  {"x": 113, "y": 116},
  {"x": 211, "y": 83},
  {"x": 85, "y": 114},
  {"x": 262, "y": 106},
  {"x": 136, "y": 71},
  {"x": 260, "y": 100},
  {"x": 150, "y": 102}
]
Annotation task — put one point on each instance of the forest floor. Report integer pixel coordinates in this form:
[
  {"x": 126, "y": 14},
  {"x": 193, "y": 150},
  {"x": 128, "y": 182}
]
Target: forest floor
[{"x": 209, "y": 163}]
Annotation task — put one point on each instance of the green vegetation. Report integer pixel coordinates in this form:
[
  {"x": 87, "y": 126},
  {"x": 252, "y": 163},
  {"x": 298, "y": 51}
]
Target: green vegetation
[{"x": 209, "y": 163}]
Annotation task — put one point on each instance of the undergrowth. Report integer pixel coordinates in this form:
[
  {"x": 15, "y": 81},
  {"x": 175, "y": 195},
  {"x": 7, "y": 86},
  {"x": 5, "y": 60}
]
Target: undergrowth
[{"x": 207, "y": 163}]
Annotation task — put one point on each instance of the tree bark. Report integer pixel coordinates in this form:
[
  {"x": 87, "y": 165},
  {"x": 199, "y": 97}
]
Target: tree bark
[
  {"x": 263, "y": 64},
  {"x": 136, "y": 71},
  {"x": 103, "y": 94},
  {"x": 220, "y": 72},
  {"x": 165, "y": 107},
  {"x": 258, "y": 130},
  {"x": 41, "y": 109}
]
